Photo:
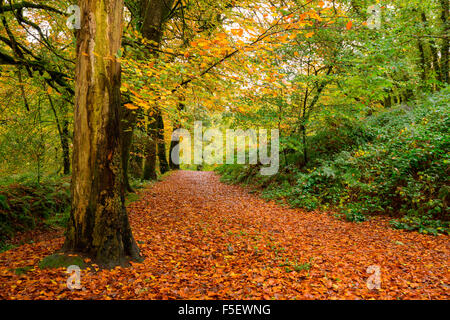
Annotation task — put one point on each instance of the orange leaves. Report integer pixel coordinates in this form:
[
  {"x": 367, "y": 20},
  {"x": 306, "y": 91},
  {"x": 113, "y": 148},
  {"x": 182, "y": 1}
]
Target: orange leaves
[
  {"x": 131, "y": 106},
  {"x": 221, "y": 36},
  {"x": 283, "y": 38},
  {"x": 237, "y": 32},
  {"x": 205, "y": 240},
  {"x": 309, "y": 34},
  {"x": 349, "y": 24}
]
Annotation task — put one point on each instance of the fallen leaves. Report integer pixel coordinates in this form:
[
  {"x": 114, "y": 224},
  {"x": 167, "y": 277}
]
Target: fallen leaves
[{"x": 205, "y": 240}]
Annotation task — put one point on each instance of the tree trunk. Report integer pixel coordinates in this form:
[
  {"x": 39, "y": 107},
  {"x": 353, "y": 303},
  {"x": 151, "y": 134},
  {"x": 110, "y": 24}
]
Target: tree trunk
[
  {"x": 98, "y": 224},
  {"x": 65, "y": 147},
  {"x": 150, "y": 151},
  {"x": 128, "y": 121},
  {"x": 173, "y": 144},
  {"x": 63, "y": 131},
  {"x": 305, "y": 147},
  {"x": 163, "y": 164},
  {"x": 154, "y": 13},
  {"x": 173, "y": 166},
  {"x": 433, "y": 51},
  {"x": 423, "y": 64}
]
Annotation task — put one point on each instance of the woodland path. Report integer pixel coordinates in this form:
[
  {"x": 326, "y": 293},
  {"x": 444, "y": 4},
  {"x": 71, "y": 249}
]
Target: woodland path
[{"x": 202, "y": 239}]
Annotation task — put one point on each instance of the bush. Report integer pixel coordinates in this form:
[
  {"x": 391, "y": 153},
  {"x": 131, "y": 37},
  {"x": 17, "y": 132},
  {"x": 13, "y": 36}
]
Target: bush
[
  {"x": 28, "y": 205},
  {"x": 400, "y": 167}
]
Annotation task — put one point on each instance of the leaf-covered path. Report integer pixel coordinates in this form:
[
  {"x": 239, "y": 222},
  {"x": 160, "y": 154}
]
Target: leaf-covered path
[{"x": 202, "y": 239}]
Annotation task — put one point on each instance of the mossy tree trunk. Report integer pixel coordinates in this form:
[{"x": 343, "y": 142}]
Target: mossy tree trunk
[
  {"x": 98, "y": 225},
  {"x": 150, "y": 150}
]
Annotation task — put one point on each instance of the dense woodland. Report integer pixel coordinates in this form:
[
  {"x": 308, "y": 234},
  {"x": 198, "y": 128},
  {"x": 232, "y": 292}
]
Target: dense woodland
[{"x": 91, "y": 92}]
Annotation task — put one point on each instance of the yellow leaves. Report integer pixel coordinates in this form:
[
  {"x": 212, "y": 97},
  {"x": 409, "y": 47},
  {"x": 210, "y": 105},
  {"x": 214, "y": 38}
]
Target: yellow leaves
[
  {"x": 314, "y": 15},
  {"x": 201, "y": 43}
]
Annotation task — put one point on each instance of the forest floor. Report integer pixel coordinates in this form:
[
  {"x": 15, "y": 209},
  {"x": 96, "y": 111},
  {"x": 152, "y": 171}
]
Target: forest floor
[{"x": 202, "y": 239}]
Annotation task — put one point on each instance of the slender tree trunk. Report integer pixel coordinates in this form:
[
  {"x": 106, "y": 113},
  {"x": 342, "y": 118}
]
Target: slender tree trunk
[
  {"x": 63, "y": 131},
  {"x": 433, "y": 49},
  {"x": 173, "y": 144},
  {"x": 150, "y": 151},
  {"x": 65, "y": 147},
  {"x": 173, "y": 166},
  {"x": 423, "y": 64},
  {"x": 98, "y": 224},
  {"x": 163, "y": 164},
  {"x": 128, "y": 121},
  {"x": 305, "y": 148}
]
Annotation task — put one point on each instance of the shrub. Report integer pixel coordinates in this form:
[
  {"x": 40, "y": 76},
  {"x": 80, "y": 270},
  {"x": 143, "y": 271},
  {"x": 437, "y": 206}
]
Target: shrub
[{"x": 398, "y": 166}]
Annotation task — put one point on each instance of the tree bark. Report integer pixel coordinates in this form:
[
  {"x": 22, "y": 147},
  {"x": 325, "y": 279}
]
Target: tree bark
[
  {"x": 98, "y": 224},
  {"x": 154, "y": 13},
  {"x": 63, "y": 131},
  {"x": 433, "y": 51},
  {"x": 173, "y": 144},
  {"x": 423, "y": 64},
  {"x": 150, "y": 151},
  {"x": 65, "y": 147},
  {"x": 128, "y": 121},
  {"x": 163, "y": 164}
]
